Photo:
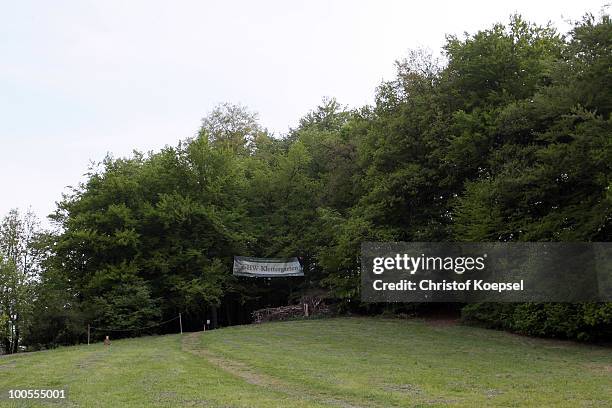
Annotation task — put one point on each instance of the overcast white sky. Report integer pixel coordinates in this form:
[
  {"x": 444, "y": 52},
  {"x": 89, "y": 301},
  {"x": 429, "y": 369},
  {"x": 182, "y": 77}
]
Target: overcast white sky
[{"x": 81, "y": 78}]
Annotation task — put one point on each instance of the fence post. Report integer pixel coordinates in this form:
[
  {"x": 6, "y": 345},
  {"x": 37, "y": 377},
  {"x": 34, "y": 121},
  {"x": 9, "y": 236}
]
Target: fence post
[
  {"x": 181, "y": 323},
  {"x": 88, "y": 334}
]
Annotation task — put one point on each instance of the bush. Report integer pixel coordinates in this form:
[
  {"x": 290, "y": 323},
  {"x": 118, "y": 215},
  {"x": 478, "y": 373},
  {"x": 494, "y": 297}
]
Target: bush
[{"x": 576, "y": 321}]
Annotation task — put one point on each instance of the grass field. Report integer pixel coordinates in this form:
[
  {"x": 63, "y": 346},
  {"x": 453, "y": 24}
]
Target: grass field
[{"x": 343, "y": 362}]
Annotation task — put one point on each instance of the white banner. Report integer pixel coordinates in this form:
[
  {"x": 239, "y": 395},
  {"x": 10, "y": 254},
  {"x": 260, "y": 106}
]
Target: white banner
[{"x": 267, "y": 267}]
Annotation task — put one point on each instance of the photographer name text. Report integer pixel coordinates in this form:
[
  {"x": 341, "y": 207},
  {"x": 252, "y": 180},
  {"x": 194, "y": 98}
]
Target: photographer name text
[{"x": 430, "y": 285}]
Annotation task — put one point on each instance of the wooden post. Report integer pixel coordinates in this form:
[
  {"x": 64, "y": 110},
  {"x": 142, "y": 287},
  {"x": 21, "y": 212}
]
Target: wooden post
[
  {"x": 88, "y": 328},
  {"x": 181, "y": 323}
]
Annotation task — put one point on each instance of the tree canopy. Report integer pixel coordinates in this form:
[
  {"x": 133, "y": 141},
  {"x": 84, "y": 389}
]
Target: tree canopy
[{"x": 507, "y": 138}]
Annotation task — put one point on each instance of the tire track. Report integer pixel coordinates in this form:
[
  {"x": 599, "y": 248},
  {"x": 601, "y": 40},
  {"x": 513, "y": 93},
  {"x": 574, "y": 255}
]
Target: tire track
[{"x": 191, "y": 344}]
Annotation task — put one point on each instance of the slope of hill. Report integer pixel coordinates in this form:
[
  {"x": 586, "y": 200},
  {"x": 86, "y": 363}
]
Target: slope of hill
[{"x": 343, "y": 362}]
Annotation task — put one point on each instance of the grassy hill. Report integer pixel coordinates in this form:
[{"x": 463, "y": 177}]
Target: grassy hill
[{"x": 344, "y": 362}]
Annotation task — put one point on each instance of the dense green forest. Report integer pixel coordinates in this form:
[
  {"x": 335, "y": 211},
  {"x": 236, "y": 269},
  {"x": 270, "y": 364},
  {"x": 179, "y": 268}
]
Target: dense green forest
[{"x": 507, "y": 137}]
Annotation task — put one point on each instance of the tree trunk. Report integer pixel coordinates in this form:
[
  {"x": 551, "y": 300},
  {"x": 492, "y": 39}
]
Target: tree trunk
[
  {"x": 16, "y": 338},
  {"x": 228, "y": 314},
  {"x": 7, "y": 340},
  {"x": 214, "y": 317}
]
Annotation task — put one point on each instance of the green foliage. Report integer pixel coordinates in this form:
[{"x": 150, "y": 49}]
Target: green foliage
[
  {"x": 126, "y": 305},
  {"x": 19, "y": 264},
  {"x": 586, "y": 321},
  {"x": 508, "y": 139},
  {"x": 139, "y": 237}
]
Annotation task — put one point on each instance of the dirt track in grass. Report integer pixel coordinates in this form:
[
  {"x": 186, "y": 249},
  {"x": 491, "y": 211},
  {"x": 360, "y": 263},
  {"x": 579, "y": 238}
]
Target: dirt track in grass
[{"x": 192, "y": 343}]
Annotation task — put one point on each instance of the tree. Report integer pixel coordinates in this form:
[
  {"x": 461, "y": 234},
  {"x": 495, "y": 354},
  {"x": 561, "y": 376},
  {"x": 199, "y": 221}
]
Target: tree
[
  {"x": 19, "y": 271},
  {"x": 233, "y": 127},
  {"x": 509, "y": 139}
]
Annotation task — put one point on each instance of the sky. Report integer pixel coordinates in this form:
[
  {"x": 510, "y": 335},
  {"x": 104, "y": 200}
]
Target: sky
[{"x": 80, "y": 79}]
